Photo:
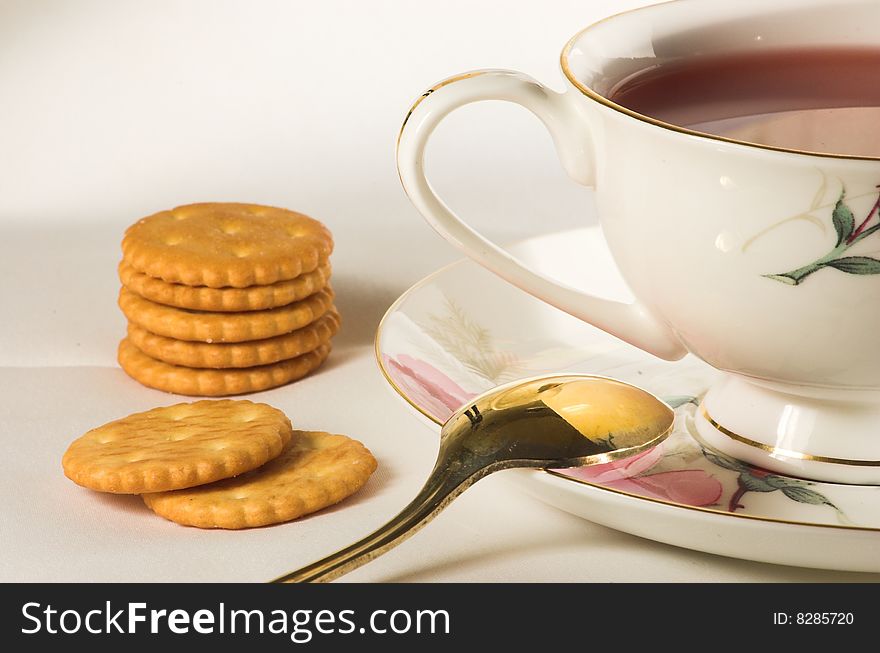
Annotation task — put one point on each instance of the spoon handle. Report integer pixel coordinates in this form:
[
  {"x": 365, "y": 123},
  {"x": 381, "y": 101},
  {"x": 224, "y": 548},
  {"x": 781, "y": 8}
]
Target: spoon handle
[{"x": 442, "y": 487}]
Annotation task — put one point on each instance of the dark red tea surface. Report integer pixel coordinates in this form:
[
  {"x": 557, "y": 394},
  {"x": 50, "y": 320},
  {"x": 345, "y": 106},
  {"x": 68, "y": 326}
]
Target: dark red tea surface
[{"x": 825, "y": 100}]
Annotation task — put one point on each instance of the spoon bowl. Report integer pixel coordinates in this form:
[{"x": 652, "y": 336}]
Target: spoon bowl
[{"x": 552, "y": 422}]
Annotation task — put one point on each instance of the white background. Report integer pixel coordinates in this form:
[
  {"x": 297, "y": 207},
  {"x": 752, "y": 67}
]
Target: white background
[{"x": 111, "y": 110}]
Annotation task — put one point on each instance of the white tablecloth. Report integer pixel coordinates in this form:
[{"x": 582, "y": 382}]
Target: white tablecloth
[{"x": 113, "y": 110}]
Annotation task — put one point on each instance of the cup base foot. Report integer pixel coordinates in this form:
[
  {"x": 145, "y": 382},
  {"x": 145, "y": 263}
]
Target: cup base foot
[{"x": 834, "y": 439}]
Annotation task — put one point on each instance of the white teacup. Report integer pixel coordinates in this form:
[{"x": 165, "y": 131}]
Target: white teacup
[{"x": 701, "y": 229}]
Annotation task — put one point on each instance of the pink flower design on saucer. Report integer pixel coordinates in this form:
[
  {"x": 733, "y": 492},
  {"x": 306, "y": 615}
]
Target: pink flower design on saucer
[
  {"x": 692, "y": 487},
  {"x": 426, "y": 385}
]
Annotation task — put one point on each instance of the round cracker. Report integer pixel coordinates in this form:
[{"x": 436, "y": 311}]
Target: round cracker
[
  {"x": 178, "y": 446},
  {"x": 202, "y": 298},
  {"x": 221, "y": 245},
  {"x": 204, "y": 382},
  {"x": 202, "y": 326},
  {"x": 236, "y": 354},
  {"x": 314, "y": 471}
]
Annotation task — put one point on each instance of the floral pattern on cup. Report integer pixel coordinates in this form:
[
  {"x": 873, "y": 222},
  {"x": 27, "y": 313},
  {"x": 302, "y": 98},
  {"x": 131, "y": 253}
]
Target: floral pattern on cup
[{"x": 848, "y": 234}]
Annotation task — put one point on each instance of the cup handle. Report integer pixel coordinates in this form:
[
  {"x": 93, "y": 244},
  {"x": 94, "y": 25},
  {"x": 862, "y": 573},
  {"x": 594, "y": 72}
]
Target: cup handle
[{"x": 632, "y": 323}]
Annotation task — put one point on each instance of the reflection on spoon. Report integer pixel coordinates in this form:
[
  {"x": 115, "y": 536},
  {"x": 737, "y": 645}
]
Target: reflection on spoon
[{"x": 548, "y": 422}]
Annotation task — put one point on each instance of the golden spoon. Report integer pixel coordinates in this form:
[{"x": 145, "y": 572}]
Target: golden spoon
[{"x": 548, "y": 422}]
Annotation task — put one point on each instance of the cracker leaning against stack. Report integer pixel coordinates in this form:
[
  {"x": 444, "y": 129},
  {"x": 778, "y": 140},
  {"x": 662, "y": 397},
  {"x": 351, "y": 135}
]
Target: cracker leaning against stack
[{"x": 225, "y": 299}]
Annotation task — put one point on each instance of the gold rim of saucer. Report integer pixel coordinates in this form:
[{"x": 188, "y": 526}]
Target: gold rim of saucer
[
  {"x": 601, "y": 99},
  {"x": 783, "y": 454},
  {"x": 560, "y": 473}
]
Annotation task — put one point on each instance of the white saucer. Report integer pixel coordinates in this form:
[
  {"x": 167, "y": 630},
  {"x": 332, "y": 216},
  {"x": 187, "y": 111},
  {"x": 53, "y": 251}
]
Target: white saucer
[{"x": 462, "y": 330}]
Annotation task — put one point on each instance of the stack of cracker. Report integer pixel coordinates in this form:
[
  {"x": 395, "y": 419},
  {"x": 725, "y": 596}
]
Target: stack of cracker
[{"x": 224, "y": 299}]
